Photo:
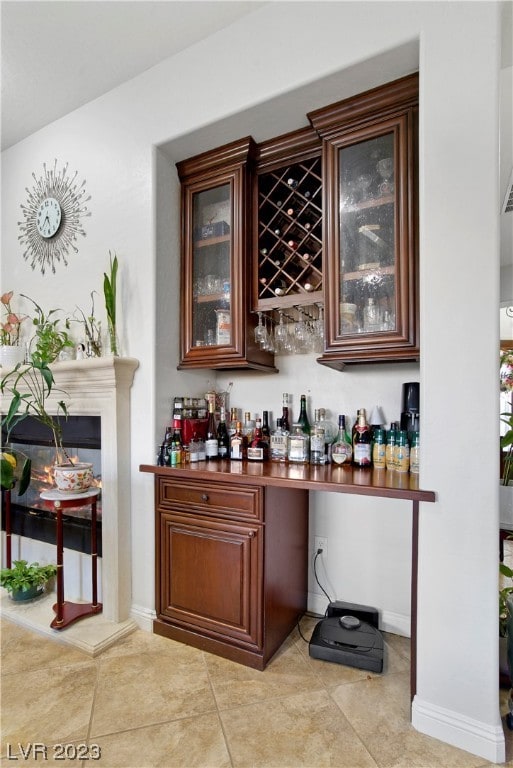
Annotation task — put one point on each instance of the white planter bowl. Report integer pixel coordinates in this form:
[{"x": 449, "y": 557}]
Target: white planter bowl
[
  {"x": 11, "y": 356},
  {"x": 73, "y": 478}
]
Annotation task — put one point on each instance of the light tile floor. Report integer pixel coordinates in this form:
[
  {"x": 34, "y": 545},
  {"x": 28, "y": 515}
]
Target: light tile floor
[{"x": 148, "y": 701}]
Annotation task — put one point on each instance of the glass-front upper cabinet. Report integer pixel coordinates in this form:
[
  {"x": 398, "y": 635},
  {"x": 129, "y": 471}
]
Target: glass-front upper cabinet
[
  {"x": 217, "y": 330},
  {"x": 370, "y": 248}
]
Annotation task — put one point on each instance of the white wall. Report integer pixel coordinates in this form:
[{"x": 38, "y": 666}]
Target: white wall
[{"x": 122, "y": 142}]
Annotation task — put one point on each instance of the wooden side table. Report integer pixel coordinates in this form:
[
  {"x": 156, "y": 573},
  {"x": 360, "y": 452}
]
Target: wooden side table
[{"x": 67, "y": 613}]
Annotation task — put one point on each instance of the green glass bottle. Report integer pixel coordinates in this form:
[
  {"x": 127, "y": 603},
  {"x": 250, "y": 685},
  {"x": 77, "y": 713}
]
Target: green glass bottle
[{"x": 303, "y": 419}]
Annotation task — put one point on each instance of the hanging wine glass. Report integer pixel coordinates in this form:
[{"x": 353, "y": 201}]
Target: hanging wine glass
[
  {"x": 260, "y": 331},
  {"x": 281, "y": 335}
]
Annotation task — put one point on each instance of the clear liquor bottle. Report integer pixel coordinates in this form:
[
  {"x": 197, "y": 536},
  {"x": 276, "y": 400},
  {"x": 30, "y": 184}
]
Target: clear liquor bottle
[
  {"x": 279, "y": 443},
  {"x": 341, "y": 449},
  {"x": 298, "y": 446}
]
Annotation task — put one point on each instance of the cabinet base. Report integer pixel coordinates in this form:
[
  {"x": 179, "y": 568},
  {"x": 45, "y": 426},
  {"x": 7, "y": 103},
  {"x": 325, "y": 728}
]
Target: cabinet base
[{"x": 254, "y": 659}]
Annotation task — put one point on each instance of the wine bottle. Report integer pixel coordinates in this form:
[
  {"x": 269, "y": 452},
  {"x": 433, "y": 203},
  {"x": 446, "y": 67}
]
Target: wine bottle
[
  {"x": 223, "y": 440},
  {"x": 362, "y": 439},
  {"x": 266, "y": 432},
  {"x": 292, "y": 183},
  {"x": 341, "y": 450},
  {"x": 303, "y": 419},
  {"x": 285, "y": 420},
  {"x": 211, "y": 445}
]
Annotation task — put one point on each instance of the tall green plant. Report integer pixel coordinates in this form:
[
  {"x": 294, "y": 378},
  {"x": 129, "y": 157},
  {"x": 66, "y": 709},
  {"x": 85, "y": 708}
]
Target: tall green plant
[
  {"x": 30, "y": 385},
  {"x": 109, "y": 290}
]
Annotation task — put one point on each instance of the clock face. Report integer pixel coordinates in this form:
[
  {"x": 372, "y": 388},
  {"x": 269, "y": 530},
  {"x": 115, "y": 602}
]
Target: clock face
[{"x": 48, "y": 217}]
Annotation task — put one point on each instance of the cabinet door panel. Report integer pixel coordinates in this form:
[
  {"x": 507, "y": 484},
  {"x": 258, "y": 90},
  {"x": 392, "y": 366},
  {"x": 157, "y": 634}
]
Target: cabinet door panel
[{"x": 213, "y": 577}]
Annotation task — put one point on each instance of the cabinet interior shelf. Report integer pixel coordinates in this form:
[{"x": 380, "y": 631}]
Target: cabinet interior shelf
[{"x": 207, "y": 241}]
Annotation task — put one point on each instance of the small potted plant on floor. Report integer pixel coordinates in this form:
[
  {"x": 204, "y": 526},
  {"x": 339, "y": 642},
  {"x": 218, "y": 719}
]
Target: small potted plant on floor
[{"x": 24, "y": 581}]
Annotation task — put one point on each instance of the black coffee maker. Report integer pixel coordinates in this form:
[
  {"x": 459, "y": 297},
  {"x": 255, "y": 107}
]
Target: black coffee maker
[{"x": 410, "y": 417}]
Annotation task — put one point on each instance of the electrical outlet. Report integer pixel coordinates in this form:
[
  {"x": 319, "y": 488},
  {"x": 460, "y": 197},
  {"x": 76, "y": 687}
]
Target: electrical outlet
[{"x": 321, "y": 543}]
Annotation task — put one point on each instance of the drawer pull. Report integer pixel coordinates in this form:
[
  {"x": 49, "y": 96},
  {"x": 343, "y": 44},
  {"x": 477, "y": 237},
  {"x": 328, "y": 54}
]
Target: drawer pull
[
  {"x": 251, "y": 534},
  {"x": 204, "y": 497}
]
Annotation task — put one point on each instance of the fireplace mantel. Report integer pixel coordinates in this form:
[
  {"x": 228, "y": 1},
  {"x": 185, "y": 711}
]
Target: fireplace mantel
[{"x": 101, "y": 387}]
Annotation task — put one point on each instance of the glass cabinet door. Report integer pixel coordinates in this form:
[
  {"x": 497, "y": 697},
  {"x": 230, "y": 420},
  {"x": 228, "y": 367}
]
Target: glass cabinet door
[
  {"x": 368, "y": 246},
  {"x": 370, "y": 160},
  {"x": 216, "y": 325},
  {"x": 211, "y": 267}
]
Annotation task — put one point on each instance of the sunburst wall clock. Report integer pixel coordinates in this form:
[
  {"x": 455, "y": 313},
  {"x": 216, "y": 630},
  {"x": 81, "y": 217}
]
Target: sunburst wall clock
[{"x": 53, "y": 215}]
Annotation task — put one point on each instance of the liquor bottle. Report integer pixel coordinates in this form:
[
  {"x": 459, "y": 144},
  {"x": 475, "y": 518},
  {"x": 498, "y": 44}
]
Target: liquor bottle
[
  {"x": 238, "y": 444},
  {"x": 414, "y": 453},
  {"x": 279, "y": 443},
  {"x": 258, "y": 448},
  {"x": 390, "y": 449},
  {"x": 362, "y": 439},
  {"x": 379, "y": 449},
  {"x": 211, "y": 445},
  {"x": 249, "y": 425},
  {"x": 162, "y": 458},
  {"x": 285, "y": 419},
  {"x": 330, "y": 431},
  {"x": 233, "y": 422},
  {"x": 402, "y": 452},
  {"x": 298, "y": 446},
  {"x": 303, "y": 420},
  {"x": 317, "y": 454},
  {"x": 341, "y": 450},
  {"x": 176, "y": 447},
  {"x": 223, "y": 440},
  {"x": 196, "y": 449},
  {"x": 266, "y": 432}
]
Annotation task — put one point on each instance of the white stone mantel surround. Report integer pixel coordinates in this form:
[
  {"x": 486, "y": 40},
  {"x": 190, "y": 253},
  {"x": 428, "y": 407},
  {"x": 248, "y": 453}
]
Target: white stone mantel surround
[{"x": 101, "y": 387}]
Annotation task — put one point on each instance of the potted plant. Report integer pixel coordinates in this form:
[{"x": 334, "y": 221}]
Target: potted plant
[
  {"x": 109, "y": 292},
  {"x": 11, "y": 351},
  {"x": 30, "y": 386},
  {"x": 92, "y": 329},
  {"x": 15, "y": 467},
  {"x": 24, "y": 581}
]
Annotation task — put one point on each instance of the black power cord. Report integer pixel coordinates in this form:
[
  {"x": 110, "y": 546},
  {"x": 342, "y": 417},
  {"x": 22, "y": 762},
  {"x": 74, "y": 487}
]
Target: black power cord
[{"x": 313, "y": 615}]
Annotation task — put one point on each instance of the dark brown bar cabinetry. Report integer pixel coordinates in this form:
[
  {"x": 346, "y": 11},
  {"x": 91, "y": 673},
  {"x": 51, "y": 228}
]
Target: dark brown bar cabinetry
[{"x": 231, "y": 571}]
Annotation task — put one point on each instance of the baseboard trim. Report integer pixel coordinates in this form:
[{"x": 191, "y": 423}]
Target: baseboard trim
[
  {"x": 473, "y": 736},
  {"x": 143, "y": 617}
]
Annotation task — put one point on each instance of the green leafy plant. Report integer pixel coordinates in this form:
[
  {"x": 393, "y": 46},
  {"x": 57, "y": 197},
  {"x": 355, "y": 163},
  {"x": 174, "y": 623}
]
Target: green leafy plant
[
  {"x": 507, "y": 442},
  {"x": 504, "y": 593},
  {"x": 49, "y": 339},
  {"x": 92, "y": 328},
  {"x": 30, "y": 385},
  {"x": 109, "y": 291},
  {"x": 15, "y": 466},
  {"x": 22, "y": 576}
]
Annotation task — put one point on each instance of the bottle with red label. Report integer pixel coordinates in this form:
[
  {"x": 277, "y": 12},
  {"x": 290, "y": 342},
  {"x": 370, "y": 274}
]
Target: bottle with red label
[
  {"x": 362, "y": 441},
  {"x": 258, "y": 448}
]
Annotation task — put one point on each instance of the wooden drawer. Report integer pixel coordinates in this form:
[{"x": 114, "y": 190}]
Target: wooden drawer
[{"x": 219, "y": 499}]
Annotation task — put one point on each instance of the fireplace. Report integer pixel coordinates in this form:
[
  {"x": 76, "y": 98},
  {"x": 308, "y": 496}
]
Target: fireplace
[
  {"x": 30, "y": 515},
  {"x": 100, "y": 387}
]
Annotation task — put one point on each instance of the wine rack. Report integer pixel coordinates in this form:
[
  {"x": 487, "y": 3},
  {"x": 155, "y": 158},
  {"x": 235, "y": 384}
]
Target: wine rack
[{"x": 289, "y": 247}]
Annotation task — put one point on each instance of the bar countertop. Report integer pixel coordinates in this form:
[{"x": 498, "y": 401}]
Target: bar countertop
[{"x": 328, "y": 477}]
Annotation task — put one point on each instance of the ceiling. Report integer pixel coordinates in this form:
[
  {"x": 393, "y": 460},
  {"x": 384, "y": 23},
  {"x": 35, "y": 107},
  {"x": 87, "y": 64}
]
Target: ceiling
[{"x": 57, "y": 55}]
